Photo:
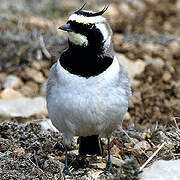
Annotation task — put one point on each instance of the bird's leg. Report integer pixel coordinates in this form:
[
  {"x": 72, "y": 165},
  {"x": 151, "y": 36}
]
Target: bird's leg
[
  {"x": 66, "y": 167},
  {"x": 108, "y": 168}
]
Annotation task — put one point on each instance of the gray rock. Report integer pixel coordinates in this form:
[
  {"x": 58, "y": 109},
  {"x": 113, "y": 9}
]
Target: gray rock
[
  {"x": 23, "y": 107},
  {"x": 165, "y": 170}
]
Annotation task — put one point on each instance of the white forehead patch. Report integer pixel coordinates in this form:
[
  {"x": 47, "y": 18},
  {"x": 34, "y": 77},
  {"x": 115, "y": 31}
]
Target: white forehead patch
[
  {"x": 86, "y": 20},
  {"x": 78, "y": 39}
]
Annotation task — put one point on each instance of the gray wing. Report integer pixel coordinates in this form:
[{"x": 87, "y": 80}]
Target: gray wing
[{"x": 124, "y": 80}]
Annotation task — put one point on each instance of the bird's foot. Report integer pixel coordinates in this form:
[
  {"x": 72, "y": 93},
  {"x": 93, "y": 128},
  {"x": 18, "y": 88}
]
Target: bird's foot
[
  {"x": 66, "y": 171},
  {"x": 108, "y": 168}
]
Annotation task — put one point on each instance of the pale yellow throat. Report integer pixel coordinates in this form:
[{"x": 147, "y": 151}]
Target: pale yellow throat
[{"x": 78, "y": 39}]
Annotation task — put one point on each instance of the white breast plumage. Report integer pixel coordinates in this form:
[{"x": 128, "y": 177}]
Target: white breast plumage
[{"x": 87, "y": 106}]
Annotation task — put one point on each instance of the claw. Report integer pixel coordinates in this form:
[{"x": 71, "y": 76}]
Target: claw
[
  {"x": 66, "y": 167},
  {"x": 66, "y": 171}
]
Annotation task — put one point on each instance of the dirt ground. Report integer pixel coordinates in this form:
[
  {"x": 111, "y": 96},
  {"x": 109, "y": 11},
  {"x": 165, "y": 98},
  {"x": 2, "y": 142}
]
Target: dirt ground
[{"x": 146, "y": 30}]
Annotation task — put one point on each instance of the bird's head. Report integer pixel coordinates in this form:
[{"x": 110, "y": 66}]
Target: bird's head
[{"x": 87, "y": 28}]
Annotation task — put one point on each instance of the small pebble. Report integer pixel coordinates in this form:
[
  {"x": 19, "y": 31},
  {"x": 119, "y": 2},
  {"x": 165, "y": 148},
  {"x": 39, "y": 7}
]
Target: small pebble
[
  {"x": 10, "y": 94},
  {"x": 12, "y": 81},
  {"x": 142, "y": 145}
]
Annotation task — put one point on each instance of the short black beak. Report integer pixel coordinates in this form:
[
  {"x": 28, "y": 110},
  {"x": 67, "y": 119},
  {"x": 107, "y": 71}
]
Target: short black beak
[{"x": 66, "y": 27}]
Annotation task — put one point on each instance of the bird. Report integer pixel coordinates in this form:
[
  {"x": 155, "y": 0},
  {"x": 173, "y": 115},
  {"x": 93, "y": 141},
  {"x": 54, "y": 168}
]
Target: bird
[{"x": 88, "y": 90}]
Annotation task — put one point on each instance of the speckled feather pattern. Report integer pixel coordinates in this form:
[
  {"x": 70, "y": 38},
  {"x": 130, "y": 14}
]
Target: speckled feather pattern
[{"x": 81, "y": 106}]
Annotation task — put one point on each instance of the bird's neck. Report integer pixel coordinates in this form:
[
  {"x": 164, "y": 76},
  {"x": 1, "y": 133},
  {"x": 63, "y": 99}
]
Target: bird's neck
[
  {"x": 85, "y": 61},
  {"x": 92, "y": 49}
]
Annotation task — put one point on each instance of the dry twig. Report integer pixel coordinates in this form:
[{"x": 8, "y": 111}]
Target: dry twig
[{"x": 150, "y": 158}]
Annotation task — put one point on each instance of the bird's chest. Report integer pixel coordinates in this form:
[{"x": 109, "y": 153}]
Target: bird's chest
[
  {"x": 83, "y": 100},
  {"x": 86, "y": 106},
  {"x": 88, "y": 103}
]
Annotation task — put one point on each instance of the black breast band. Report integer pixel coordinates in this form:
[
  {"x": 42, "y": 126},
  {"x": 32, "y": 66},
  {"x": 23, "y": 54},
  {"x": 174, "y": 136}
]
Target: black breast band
[{"x": 84, "y": 62}]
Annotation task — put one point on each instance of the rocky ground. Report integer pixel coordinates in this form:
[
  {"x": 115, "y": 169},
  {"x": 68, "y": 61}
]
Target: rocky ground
[{"x": 147, "y": 42}]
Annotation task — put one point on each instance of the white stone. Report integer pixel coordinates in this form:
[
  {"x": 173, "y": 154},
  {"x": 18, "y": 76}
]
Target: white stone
[
  {"x": 162, "y": 170},
  {"x": 37, "y": 76},
  {"x": 151, "y": 47},
  {"x": 158, "y": 62},
  {"x": 11, "y": 81},
  {"x": 23, "y": 107},
  {"x": 138, "y": 4},
  {"x": 175, "y": 48},
  {"x": 133, "y": 68},
  {"x": 9, "y": 93},
  {"x": 142, "y": 145}
]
